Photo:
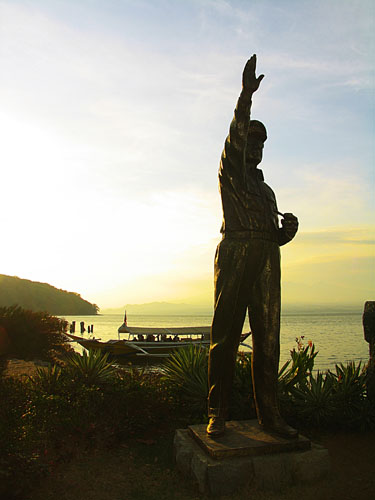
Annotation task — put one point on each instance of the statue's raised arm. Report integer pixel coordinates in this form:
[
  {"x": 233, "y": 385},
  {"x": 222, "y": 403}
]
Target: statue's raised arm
[{"x": 238, "y": 132}]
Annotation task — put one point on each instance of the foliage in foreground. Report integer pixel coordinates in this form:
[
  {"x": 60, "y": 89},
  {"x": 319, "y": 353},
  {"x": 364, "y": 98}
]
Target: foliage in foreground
[
  {"x": 311, "y": 399},
  {"x": 85, "y": 403},
  {"x": 90, "y": 369},
  {"x": 185, "y": 375},
  {"x": 82, "y": 405},
  {"x": 33, "y": 335},
  {"x": 331, "y": 400}
]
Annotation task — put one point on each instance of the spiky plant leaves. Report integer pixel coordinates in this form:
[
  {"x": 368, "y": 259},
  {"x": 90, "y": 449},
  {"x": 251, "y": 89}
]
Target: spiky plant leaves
[
  {"x": 350, "y": 381},
  {"x": 295, "y": 371},
  {"x": 90, "y": 369},
  {"x": 242, "y": 405},
  {"x": 313, "y": 401},
  {"x": 349, "y": 386},
  {"x": 303, "y": 360},
  {"x": 328, "y": 400},
  {"x": 47, "y": 379},
  {"x": 186, "y": 370}
]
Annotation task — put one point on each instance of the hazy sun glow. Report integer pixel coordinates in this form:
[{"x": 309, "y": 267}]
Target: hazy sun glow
[{"x": 113, "y": 119}]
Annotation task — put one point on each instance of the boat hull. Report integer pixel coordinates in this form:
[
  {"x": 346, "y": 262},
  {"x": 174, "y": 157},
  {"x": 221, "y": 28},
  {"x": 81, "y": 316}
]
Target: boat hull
[
  {"x": 131, "y": 348},
  {"x": 158, "y": 348}
]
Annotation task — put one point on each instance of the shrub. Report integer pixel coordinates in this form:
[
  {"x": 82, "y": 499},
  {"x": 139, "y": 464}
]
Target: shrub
[
  {"x": 186, "y": 375},
  {"x": 307, "y": 399},
  {"x": 350, "y": 396},
  {"x": 332, "y": 400},
  {"x": 295, "y": 373},
  {"x": 3, "y": 365},
  {"x": 242, "y": 404},
  {"x": 312, "y": 401},
  {"x": 20, "y": 467},
  {"x": 139, "y": 402},
  {"x": 33, "y": 335},
  {"x": 296, "y": 369}
]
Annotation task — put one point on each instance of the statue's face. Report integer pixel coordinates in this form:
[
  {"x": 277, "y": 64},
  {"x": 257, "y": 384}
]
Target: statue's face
[{"x": 254, "y": 152}]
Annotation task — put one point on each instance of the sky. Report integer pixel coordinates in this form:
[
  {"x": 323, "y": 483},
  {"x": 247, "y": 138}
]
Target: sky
[{"x": 113, "y": 116}]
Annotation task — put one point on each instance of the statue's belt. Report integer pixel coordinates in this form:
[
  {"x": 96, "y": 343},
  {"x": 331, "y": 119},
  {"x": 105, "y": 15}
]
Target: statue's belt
[{"x": 250, "y": 235}]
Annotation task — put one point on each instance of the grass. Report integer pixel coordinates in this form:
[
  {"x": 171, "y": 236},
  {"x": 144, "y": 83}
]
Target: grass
[
  {"x": 145, "y": 471},
  {"x": 138, "y": 470}
]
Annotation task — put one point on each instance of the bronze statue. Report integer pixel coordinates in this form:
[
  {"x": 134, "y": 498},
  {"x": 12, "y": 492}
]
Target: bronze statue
[{"x": 247, "y": 269}]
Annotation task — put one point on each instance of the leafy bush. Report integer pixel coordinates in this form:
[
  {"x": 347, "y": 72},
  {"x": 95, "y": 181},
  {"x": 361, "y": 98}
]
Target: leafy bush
[
  {"x": 307, "y": 399},
  {"x": 324, "y": 400},
  {"x": 3, "y": 365},
  {"x": 186, "y": 375},
  {"x": 19, "y": 464},
  {"x": 349, "y": 384},
  {"x": 312, "y": 401},
  {"x": 33, "y": 335},
  {"x": 350, "y": 398},
  {"x": 59, "y": 411},
  {"x": 295, "y": 372},
  {"x": 296, "y": 369},
  {"x": 86, "y": 404},
  {"x": 242, "y": 404}
]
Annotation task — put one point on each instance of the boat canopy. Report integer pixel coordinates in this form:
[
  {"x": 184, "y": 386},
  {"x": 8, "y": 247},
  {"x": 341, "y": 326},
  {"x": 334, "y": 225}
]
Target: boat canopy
[{"x": 183, "y": 330}]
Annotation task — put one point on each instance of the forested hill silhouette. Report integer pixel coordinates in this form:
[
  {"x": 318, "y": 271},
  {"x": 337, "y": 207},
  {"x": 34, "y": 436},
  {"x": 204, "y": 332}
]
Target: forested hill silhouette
[{"x": 42, "y": 297}]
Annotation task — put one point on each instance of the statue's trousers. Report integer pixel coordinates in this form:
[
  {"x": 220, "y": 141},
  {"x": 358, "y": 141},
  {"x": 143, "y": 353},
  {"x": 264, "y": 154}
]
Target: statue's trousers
[{"x": 247, "y": 276}]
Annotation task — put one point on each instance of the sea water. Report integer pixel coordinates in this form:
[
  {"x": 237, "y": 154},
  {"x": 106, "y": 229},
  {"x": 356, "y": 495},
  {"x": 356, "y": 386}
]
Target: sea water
[{"x": 338, "y": 337}]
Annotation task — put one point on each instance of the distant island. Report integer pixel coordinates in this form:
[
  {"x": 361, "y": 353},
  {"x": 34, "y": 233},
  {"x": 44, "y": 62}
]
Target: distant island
[
  {"x": 37, "y": 296},
  {"x": 162, "y": 308},
  {"x": 183, "y": 309}
]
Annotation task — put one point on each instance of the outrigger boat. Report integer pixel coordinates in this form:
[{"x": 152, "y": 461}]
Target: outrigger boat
[{"x": 143, "y": 342}]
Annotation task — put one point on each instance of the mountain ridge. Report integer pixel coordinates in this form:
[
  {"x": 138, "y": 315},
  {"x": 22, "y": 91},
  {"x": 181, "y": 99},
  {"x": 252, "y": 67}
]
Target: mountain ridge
[
  {"x": 170, "y": 308},
  {"x": 37, "y": 296}
]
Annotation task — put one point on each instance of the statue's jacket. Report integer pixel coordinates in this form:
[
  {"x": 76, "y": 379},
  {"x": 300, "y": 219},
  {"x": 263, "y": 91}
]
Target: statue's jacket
[{"x": 249, "y": 204}]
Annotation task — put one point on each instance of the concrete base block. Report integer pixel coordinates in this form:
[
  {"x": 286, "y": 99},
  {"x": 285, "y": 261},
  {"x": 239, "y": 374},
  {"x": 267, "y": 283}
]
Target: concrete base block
[{"x": 264, "y": 471}]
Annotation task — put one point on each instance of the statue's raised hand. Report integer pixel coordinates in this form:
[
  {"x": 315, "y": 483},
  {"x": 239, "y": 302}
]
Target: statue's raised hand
[{"x": 249, "y": 80}]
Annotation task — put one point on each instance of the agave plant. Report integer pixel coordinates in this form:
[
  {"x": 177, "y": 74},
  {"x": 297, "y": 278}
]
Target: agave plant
[
  {"x": 186, "y": 369},
  {"x": 350, "y": 381},
  {"x": 92, "y": 368},
  {"x": 47, "y": 380},
  {"x": 349, "y": 387},
  {"x": 313, "y": 401}
]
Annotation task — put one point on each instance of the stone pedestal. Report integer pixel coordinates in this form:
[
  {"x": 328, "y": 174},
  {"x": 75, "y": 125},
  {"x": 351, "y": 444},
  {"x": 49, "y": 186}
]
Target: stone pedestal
[{"x": 246, "y": 455}]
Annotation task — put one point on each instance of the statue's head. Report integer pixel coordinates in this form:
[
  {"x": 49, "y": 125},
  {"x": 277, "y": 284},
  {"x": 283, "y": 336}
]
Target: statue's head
[{"x": 256, "y": 137}]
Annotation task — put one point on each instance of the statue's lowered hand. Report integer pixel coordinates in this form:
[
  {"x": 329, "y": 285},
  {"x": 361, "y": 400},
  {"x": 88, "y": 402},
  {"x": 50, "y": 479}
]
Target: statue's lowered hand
[{"x": 249, "y": 79}]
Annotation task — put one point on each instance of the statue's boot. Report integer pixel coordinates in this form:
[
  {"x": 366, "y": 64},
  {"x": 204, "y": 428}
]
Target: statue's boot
[
  {"x": 216, "y": 426},
  {"x": 278, "y": 426}
]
